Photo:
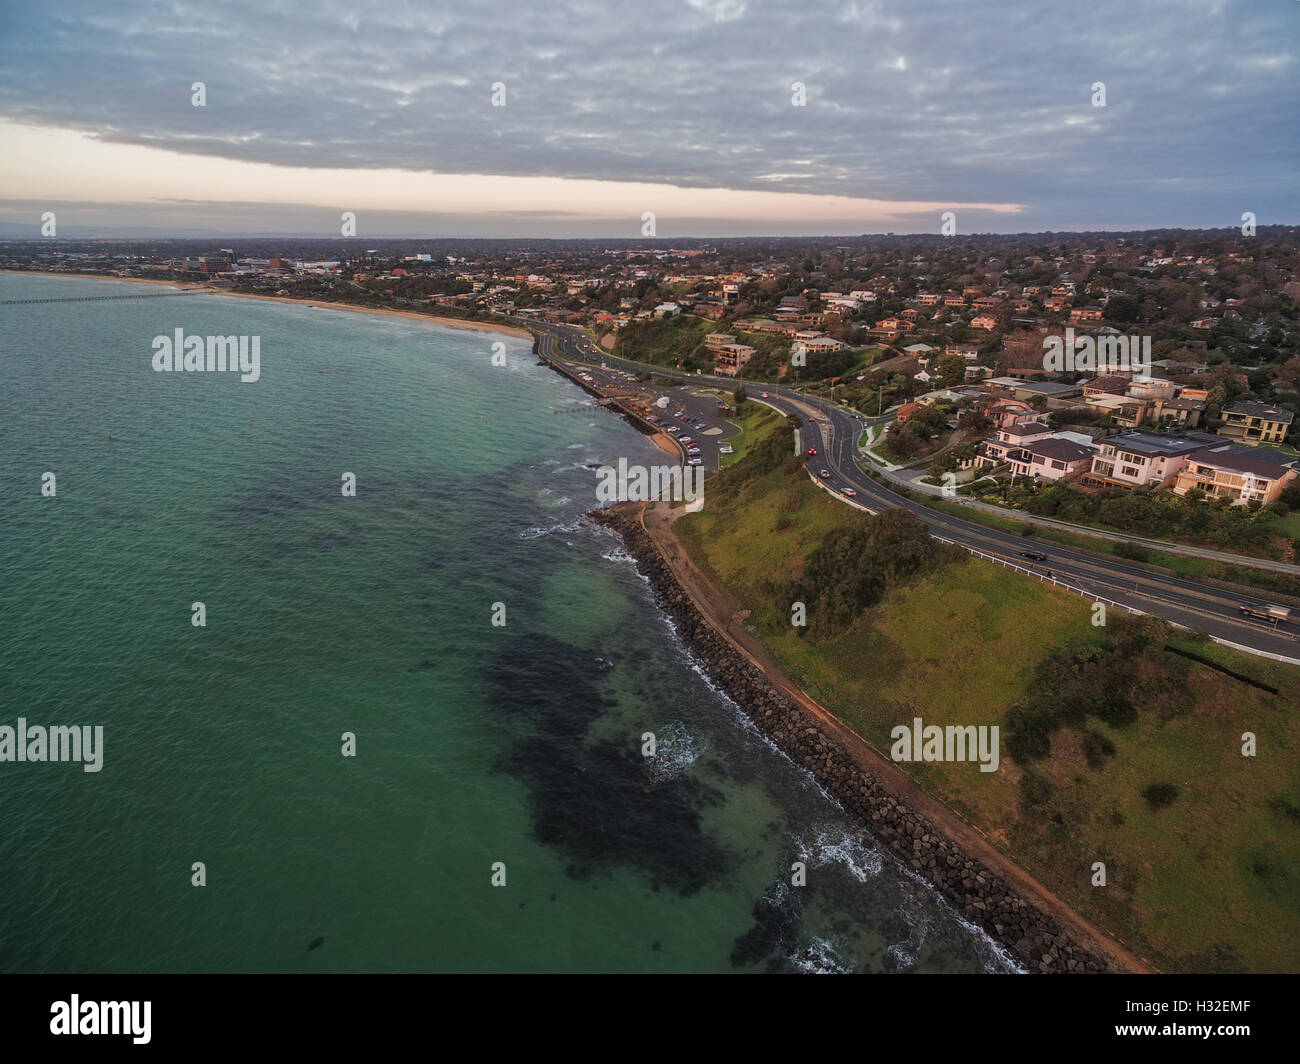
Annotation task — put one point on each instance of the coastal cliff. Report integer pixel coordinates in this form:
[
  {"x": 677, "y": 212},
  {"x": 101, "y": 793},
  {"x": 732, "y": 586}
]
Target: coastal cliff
[{"x": 1034, "y": 938}]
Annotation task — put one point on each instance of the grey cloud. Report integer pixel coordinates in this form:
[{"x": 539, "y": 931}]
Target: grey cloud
[{"x": 940, "y": 101}]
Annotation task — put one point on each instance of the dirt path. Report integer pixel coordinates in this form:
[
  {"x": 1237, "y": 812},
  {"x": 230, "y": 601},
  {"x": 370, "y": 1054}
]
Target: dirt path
[{"x": 721, "y": 612}]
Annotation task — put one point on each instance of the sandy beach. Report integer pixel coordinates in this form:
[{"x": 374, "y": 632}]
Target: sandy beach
[{"x": 454, "y": 323}]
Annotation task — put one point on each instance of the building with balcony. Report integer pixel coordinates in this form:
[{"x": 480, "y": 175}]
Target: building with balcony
[
  {"x": 1242, "y": 478},
  {"x": 1255, "y": 423},
  {"x": 1143, "y": 459}
]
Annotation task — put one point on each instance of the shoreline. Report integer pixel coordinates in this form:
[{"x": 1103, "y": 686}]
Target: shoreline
[
  {"x": 984, "y": 886},
  {"x": 414, "y": 315}
]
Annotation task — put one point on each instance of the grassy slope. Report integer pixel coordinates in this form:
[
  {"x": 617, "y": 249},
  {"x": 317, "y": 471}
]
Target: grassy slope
[
  {"x": 1210, "y": 882},
  {"x": 756, "y": 424}
]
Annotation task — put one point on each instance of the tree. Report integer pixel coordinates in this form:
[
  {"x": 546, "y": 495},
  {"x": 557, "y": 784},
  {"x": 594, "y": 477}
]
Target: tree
[
  {"x": 952, "y": 370},
  {"x": 738, "y": 397},
  {"x": 1122, "y": 310}
]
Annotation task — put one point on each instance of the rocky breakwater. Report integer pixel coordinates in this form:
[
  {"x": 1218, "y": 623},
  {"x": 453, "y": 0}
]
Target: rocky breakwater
[{"x": 1033, "y": 937}]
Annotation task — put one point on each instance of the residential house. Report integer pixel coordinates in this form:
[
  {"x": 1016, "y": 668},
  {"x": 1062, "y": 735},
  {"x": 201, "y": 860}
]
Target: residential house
[
  {"x": 1141, "y": 459},
  {"x": 1252, "y": 422},
  {"x": 1051, "y": 459},
  {"x": 1256, "y": 476}
]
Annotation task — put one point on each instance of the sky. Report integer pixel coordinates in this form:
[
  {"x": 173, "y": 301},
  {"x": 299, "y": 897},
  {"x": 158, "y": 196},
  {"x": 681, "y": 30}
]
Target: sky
[{"x": 576, "y": 118}]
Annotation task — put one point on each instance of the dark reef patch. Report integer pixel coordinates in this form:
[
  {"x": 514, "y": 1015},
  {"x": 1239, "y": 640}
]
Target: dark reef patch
[{"x": 594, "y": 802}]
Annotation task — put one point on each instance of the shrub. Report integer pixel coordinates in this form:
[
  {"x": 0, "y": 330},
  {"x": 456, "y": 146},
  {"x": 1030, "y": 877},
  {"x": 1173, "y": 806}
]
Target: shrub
[
  {"x": 1096, "y": 748},
  {"x": 1132, "y": 551},
  {"x": 1159, "y": 795}
]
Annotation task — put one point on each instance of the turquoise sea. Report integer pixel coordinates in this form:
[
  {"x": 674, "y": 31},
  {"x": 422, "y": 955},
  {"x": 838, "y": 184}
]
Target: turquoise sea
[{"x": 372, "y": 614}]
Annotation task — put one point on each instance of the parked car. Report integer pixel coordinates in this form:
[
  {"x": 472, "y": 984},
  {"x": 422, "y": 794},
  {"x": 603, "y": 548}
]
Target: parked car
[{"x": 695, "y": 461}]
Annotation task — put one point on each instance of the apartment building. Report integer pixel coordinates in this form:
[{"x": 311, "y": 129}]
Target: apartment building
[{"x": 730, "y": 359}]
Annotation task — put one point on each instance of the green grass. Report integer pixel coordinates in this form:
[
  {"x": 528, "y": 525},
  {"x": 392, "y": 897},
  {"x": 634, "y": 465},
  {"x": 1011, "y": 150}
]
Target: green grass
[
  {"x": 1288, "y": 526},
  {"x": 1211, "y": 881},
  {"x": 757, "y": 422}
]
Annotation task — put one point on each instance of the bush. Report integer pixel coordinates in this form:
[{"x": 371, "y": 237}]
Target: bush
[
  {"x": 852, "y": 568},
  {"x": 1159, "y": 795},
  {"x": 1134, "y": 552},
  {"x": 1096, "y": 748},
  {"x": 1035, "y": 790}
]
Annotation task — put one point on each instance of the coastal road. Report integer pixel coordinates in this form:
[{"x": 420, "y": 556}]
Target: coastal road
[
  {"x": 834, "y": 432},
  {"x": 688, "y": 414}
]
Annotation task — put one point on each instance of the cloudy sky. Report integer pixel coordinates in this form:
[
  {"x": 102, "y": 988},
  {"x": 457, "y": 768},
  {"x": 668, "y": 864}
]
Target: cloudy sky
[{"x": 684, "y": 108}]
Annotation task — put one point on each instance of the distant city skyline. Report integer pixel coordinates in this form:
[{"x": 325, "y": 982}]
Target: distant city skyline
[{"x": 721, "y": 117}]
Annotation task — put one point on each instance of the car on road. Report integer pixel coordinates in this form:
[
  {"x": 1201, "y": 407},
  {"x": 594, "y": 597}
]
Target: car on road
[
  {"x": 687, "y": 439},
  {"x": 812, "y": 420},
  {"x": 765, "y": 395},
  {"x": 1034, "y": 555},
  {"x": 849, "y": 492},
  {"x": 812, "y": 451},
  {"x": 825, "y": 474},
  {"x": 1274, "y": 614}
]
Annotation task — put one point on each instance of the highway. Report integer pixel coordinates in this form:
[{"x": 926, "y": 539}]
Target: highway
[{"x": 834, "y": 433}]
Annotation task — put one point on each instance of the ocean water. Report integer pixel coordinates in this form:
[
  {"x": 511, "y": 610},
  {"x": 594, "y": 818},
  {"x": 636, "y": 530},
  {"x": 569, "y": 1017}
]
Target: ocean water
[{"x": 326, "y": 614}]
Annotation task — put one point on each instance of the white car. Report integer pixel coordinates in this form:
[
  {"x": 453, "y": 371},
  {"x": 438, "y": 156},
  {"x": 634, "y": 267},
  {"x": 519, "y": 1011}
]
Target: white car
[
  {"x": 849, "y": 492},
  {"x": 695, "y": 461},
  {"x": 673, "y": 428}
]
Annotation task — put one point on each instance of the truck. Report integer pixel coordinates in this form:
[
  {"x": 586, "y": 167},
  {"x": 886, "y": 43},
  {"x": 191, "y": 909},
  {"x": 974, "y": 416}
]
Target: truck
[{"x": 1271, "y": 614}]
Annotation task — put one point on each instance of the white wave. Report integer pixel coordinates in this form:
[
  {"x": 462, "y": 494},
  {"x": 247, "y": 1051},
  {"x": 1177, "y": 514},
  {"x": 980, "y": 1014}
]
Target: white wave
[
  {"x": 863, "y": 860},
  {"x": 819, "y": 957},
  {"x": 537, "y": 531},
  {"x": 676, "y": 750}
]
